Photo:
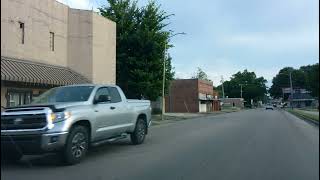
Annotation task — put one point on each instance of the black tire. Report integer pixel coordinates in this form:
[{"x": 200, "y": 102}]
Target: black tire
[
  {"x": 76, "y": 146},
  {"x": 14, "y": 157},
  {"x": 139, "y": 133}
]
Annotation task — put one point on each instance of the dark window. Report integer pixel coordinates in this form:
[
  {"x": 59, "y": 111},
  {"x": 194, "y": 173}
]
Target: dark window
[
  {"x": 21, "y": 25},
  {"x": 115, "y": 96},
  {"x": 18, "y": 97},
  {"x": 102, "y": 91},
  {"x": 52, "y": 41},
  {"x": 65, "y": 94}
]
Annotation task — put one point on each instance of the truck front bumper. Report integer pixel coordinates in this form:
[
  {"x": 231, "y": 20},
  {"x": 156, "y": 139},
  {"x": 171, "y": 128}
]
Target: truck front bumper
[{"x": 33, "y": 143}]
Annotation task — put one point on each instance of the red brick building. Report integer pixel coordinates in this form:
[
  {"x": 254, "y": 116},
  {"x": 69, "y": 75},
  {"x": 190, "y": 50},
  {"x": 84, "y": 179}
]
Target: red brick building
[{"x": 192, "y": 95}]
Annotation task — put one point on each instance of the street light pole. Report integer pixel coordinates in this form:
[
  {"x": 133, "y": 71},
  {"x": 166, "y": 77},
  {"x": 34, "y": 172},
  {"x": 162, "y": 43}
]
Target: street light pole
[
  {"x": 163, "y": 82},
  {"x": 164, "y": 75}
]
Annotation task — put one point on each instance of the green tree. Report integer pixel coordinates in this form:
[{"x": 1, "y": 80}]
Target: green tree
[
  {"x": 312, "y": 78},
  {"x": 141, "y": 40},
  {"x": 200, "y": 74},
  {"x": 253, "y": 87},
  {"x": 301, "y": 78}
]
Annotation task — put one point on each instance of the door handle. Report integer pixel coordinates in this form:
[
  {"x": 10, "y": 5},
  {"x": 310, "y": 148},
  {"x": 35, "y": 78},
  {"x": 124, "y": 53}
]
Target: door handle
[
  {"x": 112, "y": 107},
  {"x": 96, "y": 111}
]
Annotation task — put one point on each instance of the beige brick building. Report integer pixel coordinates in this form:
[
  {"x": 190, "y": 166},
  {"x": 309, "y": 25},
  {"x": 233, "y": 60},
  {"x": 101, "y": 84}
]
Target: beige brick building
[{"x": 45, "y": 43}]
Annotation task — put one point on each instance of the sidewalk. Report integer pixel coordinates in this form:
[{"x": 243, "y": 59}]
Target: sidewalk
[{"x": 175, "y": 117}]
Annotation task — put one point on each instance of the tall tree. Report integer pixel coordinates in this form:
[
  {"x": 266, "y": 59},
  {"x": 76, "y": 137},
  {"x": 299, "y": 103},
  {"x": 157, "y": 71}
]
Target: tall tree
[
  {"x": 312, "y": 78},
  {"x": 305, "y": 77},
  {"x": 253, "y": 87},
  {"x": 200, "y": 74},
  {"x": 141, "y": 41}
]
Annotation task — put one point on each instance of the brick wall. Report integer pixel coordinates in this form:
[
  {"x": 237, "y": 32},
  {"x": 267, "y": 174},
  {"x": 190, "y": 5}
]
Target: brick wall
[
  {"x": 205, "y": 87},
  {"x": 183, "y": 96},
  {"x": 238, "y": 102}
]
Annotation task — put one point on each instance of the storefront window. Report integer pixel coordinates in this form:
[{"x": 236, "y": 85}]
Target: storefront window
[{"x": 18, "y": 97}]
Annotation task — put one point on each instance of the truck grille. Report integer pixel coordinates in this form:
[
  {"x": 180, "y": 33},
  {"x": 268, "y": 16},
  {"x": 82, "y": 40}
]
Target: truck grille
[{"x": 26, "y": 121}]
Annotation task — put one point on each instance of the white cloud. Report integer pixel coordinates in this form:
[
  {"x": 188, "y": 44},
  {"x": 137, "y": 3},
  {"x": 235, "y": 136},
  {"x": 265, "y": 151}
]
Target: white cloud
[
  {"x": 218, "y": 67},
  {"x": 275, "y": 40}
]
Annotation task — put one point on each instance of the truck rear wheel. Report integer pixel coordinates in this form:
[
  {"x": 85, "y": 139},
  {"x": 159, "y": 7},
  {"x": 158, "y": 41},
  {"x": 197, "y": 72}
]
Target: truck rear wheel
[
  {"x": 139, "y": 134},
  {"x": 76, "y": 146},
  {"x": 11, "y": 156}
]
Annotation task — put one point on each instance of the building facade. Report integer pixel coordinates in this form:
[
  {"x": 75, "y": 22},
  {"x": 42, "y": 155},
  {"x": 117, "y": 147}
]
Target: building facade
[
  {"x": 44, "y": 44},
  {"x": 192, "y": 95},
  {"x": 233, "y": 102},
  {"x": 301, "y": 98}
]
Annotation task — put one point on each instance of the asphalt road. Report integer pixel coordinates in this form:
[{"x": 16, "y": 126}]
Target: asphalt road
[{"x": 247, "y": 145}]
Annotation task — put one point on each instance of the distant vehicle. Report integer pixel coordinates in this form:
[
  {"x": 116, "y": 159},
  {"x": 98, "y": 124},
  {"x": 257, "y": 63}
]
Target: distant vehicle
[
  {"x": 70, "y": 119},
  {"x": 268, "y": 106}
]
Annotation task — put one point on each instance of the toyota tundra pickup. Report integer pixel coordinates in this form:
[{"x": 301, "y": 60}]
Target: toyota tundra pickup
[{"x": 70, "y": 119}]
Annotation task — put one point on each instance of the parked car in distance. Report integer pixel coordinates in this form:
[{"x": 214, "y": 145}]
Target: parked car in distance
[
  {"x": 70, "y": 119},
  {"x": 269, "y": 106}
]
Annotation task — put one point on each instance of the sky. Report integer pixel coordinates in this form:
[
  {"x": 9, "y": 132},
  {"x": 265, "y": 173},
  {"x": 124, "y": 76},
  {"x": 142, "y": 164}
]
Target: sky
[{"x": 227, "y": 36}]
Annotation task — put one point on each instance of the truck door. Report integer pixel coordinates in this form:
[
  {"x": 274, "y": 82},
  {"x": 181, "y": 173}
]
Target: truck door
[
  {"x": 123, "y": 119},
  {"x": 105, "y": 114}
]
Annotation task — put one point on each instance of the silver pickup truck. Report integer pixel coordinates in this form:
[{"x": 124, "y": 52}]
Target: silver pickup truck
[{"x": 70, "y": 119}]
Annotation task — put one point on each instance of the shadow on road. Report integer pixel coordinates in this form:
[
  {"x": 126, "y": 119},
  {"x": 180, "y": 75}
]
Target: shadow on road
[{"x": 54, "y": 160}]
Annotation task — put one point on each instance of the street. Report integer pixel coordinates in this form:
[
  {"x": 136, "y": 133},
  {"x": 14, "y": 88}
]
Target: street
[{"x": 254, "y": 144}]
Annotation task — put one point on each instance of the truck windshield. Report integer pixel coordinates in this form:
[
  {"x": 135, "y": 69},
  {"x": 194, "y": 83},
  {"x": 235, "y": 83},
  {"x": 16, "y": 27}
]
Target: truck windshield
[{"x": 64, "y": 94}]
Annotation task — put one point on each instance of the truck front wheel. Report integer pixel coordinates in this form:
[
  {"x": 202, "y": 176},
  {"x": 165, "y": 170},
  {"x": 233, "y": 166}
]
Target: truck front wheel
[
  {"x": 139, "y": 134},
  {"x": 76, "y": 146}
]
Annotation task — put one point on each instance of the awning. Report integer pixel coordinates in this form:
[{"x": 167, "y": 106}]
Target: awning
[{"x": 31, "y": 72}]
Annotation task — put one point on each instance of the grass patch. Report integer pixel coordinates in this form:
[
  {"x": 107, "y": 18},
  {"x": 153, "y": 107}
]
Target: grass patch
[
  {"x": 302, "y": 114},
  {"x": 310, "y": 109}
]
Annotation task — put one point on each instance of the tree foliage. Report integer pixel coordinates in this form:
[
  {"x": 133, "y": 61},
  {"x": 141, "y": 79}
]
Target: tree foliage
[
  {"x": 311, "y": 73},
  {"x": 141, "y": 41},
  {"x": 200, "y": 74},
  {"x": 305, "y": 77},
  {"x": 253, "y": 87}
]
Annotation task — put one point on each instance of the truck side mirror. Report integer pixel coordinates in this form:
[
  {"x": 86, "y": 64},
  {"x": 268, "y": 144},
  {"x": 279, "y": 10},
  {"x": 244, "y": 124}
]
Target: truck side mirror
[{"x": 102, "y": 98}]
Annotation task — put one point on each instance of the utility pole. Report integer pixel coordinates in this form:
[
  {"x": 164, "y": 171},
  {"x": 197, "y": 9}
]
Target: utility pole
[
  {"x": 222, "y": 86},
  {"x": 241, "y": 90},
  {"x": 291, "y": 89}
]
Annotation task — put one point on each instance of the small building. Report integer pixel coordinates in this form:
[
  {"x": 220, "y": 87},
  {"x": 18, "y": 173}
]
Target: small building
[
  {"x": 232, "y": 102},
  {"x": 301, "y": 100},
  {"x": 45, "y": 44},
  {"x": 191, "y": 95}
]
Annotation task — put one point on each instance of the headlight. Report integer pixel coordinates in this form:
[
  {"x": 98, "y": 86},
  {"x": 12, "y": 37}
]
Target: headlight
[{"x": 60, "y": 116}]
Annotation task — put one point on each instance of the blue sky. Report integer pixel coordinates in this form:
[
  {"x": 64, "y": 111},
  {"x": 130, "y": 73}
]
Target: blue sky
[{"x": 226, "y": 36}]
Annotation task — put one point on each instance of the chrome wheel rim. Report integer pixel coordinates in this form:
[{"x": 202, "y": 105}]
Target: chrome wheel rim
[
  {"x": 141, "y": 131},
  {"x": 78, "y": 145}
]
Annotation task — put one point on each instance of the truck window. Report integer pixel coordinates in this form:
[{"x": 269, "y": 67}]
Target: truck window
[
  {"x": 115, "y": 96},
  {"x": 101, "y": 91}
]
